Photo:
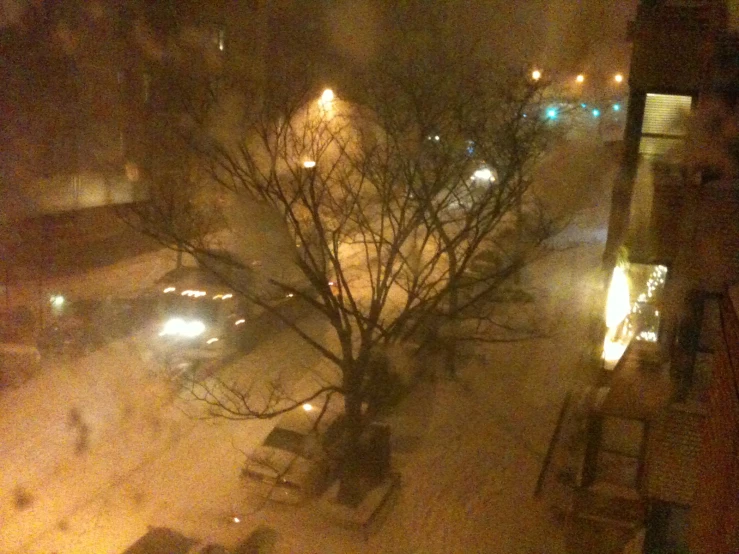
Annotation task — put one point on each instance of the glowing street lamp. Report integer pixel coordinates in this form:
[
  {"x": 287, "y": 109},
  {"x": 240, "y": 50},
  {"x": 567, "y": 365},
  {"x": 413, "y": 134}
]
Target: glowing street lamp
[
  {"x": 580, "y": 78},
  {"x": 326, "y": 100},
  {"x": 309, "y": 164},
  {"x": 536, "y": 74},
  {"x": 618, "y": 78}
]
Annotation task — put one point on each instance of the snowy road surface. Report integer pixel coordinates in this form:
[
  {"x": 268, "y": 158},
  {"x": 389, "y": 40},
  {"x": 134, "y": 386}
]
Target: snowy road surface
[{"x": 92, "y": 453}]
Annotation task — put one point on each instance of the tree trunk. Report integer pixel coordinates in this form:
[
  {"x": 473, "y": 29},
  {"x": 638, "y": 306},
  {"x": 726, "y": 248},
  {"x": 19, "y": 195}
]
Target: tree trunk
[
  {"x": 450, "y": 351},
  {"x": 519, "y": 238},
  {"x": 350, "y": 489},
  {"x": 450, "y": 344}
]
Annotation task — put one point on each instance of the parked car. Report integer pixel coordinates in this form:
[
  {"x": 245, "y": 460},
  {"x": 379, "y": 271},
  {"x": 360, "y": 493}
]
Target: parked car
[{"x": 292, "y": 464}]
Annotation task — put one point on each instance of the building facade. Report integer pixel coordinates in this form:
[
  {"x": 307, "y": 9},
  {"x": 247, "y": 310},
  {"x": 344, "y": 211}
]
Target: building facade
[
  {"x": 86, "y": 82},
  {"x": 663, "y": 424}
]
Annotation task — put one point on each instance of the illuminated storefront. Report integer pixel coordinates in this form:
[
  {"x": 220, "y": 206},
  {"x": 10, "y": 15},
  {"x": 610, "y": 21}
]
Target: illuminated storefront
[{"x": 632, "y": 308}]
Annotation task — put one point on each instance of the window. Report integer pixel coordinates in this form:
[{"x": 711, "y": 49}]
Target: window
[
  {"x": 633, "y": 308},
  {"x": 647, "y": 286},
  {"x": 665, "y": 123}
]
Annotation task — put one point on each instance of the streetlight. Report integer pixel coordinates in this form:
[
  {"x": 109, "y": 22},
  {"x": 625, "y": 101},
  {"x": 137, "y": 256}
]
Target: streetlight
[
  {"x": 580, "y": 78},
  {"x": 309, "y": 164},
  {"x": 536, "y": 74},
  {"x": 618, "y": 77},
  {"x": 326, "y": 100}
]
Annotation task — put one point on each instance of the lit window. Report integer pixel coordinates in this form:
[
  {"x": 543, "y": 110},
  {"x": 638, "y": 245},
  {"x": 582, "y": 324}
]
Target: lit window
[
  {"x": 633, "y": 307},
  {"x": 648, "y": 283},
  {"x": 664, "y": 125}
]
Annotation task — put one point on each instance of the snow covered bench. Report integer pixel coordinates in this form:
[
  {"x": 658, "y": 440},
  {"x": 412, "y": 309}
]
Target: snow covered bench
[{"x": 367, "y": 512}]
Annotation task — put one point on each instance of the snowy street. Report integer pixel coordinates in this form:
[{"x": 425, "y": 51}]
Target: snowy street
[{"x": 92, "y": 452}]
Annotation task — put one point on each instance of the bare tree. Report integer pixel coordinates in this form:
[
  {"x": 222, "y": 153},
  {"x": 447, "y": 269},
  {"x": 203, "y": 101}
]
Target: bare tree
[{"x": 409, "y": 200}]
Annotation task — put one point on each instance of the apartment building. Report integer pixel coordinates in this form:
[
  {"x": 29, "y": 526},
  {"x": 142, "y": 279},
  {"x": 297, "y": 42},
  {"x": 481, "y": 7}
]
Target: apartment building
[{"x": 663, "y": 431}]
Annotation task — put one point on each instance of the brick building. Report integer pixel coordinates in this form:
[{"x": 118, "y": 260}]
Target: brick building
[
  {"x": 663, "y": 440},
  {"x": 714, "y": 522}
]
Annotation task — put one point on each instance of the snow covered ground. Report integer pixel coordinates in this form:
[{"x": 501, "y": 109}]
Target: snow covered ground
[{"x": 93, "y": 452}]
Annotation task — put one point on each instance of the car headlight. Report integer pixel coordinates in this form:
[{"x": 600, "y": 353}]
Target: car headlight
[{"x": 178, "y": 327}]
